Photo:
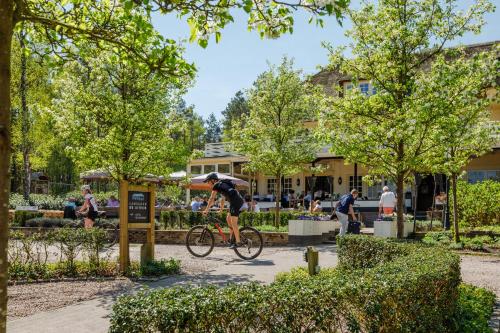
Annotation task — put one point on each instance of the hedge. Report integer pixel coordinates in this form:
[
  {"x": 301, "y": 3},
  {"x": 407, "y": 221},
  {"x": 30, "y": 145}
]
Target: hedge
[
  {"x": 182, "y": 219},
  {"x": 478, "y": 204},
  {"x": 21, "y": 217},
  {"x": 415, "y": 291}
]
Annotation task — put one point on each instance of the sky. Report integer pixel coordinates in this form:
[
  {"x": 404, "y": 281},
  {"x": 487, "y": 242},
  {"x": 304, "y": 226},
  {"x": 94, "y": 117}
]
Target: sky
[{"x": 235, "y": 62}]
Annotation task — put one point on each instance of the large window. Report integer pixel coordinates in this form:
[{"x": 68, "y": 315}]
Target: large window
[
  {"x": 209, "y": 168},
  {"x": 287, "y": 185},
  {"x": 359, "y": 184},
  {"x": 271, "y": 185},
  {"x": 223, "y": 168},
  {"x": 196, "y": 169},
  {"x": 480, "y": 175}
]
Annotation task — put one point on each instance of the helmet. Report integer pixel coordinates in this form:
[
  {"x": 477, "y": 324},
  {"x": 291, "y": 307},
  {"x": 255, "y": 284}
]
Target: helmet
[
  {"x": 85, "y": 188},
  {"x": 211, "y": 176}
]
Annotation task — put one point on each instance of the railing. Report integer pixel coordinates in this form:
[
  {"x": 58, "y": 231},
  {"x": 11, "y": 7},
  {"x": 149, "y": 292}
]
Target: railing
[{"x": 218, "y": 149}]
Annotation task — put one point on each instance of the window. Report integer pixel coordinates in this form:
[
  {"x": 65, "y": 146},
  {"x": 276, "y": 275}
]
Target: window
[
  {"x": 480, "y": 175},
  {"x": 209, "y": 168},
  {"x": 196, "y": 169},
  {"x": 359, "y": 185},
  {"x": 271, "y": 185},
  {"x": 287, "y": 185},
  {"x": 223, "y": 168},
  {"x": 366, "y": 88},
  {"x": 374, "y": 191}
]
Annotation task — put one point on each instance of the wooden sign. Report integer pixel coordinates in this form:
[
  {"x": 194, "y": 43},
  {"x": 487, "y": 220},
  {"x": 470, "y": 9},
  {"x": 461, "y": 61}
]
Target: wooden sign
[{"x": 137, "y": 211}]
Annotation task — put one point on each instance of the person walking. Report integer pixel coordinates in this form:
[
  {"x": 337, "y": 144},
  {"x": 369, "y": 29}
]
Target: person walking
[
  {"x": 89, "y": 207},
  {"x": 343, "y": 208},
  {"x": 387, "y": 202}
]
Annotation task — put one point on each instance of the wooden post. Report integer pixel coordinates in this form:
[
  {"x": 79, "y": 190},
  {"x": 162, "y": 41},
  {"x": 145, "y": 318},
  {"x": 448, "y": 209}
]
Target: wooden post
[
  {"x": 312, "y": 260},
  {"x": 124, "y": 250},
  {"x": 151, "y": 230}
]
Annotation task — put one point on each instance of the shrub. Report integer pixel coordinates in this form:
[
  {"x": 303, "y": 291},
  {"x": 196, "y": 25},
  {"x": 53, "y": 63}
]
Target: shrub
[
  {"x": 16, "y": 199},
  {"x": 474, "y": 309},
  {"x": 46, "y": 201},
  {"x": 43, "y": 222},
  {"x": 155, "y": 268},
  {"x": 416, "y": 291},
  {"x": 20, "y": 217},
  {"x": 478, "y": 204},
  {"x": 362, "y": 252}
]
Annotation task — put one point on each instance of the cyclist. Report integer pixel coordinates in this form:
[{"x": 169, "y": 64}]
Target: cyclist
[{"x": 229, "y": 193}]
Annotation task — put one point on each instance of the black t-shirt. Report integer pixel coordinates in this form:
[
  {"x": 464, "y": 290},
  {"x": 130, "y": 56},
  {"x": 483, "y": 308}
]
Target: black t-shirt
[{"x": 226, "y": 188}]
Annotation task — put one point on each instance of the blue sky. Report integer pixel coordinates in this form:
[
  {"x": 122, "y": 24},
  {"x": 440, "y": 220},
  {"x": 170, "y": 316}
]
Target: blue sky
[{"x": 235, "y": 62}]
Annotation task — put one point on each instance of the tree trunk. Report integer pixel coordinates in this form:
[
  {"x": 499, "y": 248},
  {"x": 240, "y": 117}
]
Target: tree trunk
[
  {"x": 6, "y": 30},
  {"x": 25, "y": 120},
  {"x": 400, "y": 204},
  {"x": 455, "y": 212},
  {"x": 278, "y": 199}
]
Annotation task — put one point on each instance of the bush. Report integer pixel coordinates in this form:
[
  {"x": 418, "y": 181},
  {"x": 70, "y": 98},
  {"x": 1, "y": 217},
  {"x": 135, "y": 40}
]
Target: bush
[
  {"x": 43, "y": 222},
  {"x": 155, "y": 268},
  {"x": 416, "y": 291},
  {"x": 21, "y": 217},
  {"x": 362, "y": 252},
  {"x": 445, "y": 239},
  {"x": 474, "y": 309},
  {"x": 478, "y": 204}
]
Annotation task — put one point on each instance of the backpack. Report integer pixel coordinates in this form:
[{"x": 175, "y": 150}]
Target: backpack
[{"x": 228, "y": 182}]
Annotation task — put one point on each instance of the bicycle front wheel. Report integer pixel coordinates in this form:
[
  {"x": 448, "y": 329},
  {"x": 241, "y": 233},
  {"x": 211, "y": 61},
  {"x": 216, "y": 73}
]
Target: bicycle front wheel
[
  {"x": 200, "y": 241},
  {"x": 252, "y": 243}
]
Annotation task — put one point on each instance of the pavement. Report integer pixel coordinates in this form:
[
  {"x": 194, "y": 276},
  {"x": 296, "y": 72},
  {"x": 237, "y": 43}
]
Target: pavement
[{"x": 220, "y": 267}]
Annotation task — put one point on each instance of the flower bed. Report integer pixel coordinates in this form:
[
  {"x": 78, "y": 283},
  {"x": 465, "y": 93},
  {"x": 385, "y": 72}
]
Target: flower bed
[{"x": 402, "y": 288}]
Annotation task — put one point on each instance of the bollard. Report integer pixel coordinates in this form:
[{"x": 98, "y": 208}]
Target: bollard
[{"x": 312, "y": 259}]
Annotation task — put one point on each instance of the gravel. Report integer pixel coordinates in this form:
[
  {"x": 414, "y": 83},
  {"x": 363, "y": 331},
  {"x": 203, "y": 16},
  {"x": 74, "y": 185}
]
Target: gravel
[{"x": 27, "y": 299}]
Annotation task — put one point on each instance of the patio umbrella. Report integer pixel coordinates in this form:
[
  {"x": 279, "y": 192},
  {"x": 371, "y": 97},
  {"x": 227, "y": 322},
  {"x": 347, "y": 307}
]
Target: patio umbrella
[{"x": 198, "y": 184}]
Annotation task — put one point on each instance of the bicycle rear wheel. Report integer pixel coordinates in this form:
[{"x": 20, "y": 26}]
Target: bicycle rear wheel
[
  {"x": 252, "y": 243},
  {"x": 200, "y": 241}
]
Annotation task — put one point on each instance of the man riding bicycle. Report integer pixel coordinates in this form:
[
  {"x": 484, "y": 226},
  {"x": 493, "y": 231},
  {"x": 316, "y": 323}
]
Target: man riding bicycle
[{"x": 229, "y": 193}]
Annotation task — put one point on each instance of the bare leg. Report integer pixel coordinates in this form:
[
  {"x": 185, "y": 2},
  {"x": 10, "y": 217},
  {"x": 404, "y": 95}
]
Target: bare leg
[
  {"x": 234, "y": 223},
  {"x": 88, "y": 223},
  {"x": 230, "y": 225}
]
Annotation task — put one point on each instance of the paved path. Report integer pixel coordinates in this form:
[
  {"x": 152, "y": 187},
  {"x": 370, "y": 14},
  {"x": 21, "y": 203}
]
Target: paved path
[{"x": 220, "y": 267}]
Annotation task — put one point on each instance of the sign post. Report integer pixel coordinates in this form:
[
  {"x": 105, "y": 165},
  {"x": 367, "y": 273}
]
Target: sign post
[{"x": 137, "y": 211}]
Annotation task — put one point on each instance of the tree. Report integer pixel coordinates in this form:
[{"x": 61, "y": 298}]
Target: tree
[
  {"x": 234, "y": 111},
  {"x": 391, "y": 132},
  {"x": 273, "y": 135},
  {"x": 190, "y": 129},
  {"x": 122, "y": 25},
  {"x": 212, "y": 129},
  {"x": 465, "y": 131},
  {"x": 117, "y": 118}
]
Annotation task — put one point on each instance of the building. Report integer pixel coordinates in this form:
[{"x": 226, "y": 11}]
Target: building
[{"x": 339, "y": 177}]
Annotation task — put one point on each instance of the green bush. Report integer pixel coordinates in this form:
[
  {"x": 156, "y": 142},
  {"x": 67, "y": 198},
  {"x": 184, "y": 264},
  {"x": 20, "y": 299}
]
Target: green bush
[
  {"x": 155, "y": 268},
  {"x": 479, "y": 203},
  {"x": 416, "y": 291},
  {"x": 21, "y": 217},
  {"x": 48, "y": 222},
  {"x": 476, "y": 243},
  {"x": 474, "y": 309},
  {"x": 362, "y": 252}
]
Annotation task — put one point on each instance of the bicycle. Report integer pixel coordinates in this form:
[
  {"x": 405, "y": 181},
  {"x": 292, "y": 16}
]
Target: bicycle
[{"x": 200, "y": 240}]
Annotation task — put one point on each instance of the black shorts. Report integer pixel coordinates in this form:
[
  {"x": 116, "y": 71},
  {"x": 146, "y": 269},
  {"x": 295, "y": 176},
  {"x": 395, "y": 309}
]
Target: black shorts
[
  {"x": 234, "y": 207},
  {"x": 92, "y": 215}
]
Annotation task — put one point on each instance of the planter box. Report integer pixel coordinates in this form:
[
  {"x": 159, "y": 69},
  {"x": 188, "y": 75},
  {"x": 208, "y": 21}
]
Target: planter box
[
  {"x": 389, "y": 229},
  {"x": 302, "y": 232}
]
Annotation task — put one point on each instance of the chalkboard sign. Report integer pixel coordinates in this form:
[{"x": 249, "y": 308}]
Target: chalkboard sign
[{"x": 138, "y": 207}]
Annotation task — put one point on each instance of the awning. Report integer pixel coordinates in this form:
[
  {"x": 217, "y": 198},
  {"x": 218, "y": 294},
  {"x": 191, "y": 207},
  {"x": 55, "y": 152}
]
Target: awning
[{"x": 197, "y": 183}]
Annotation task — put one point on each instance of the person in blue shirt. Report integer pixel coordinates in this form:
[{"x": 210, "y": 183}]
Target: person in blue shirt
[
  {"x": 196, "y": 204},
  {"x": 344, "y": 208}
]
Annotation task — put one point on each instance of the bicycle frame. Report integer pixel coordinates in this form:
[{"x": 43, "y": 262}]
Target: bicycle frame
[{"x": 218, "y": 227}]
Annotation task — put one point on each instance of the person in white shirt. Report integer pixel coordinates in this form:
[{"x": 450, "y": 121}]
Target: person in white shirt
[
  {"x": 255, "y": 207},
  {"x": 387, "y": 202}
]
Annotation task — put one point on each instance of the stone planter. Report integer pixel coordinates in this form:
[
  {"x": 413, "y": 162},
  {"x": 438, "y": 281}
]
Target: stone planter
[
  {"x": 389, "y": 229},
  {"x": 308, "y": 232}
]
